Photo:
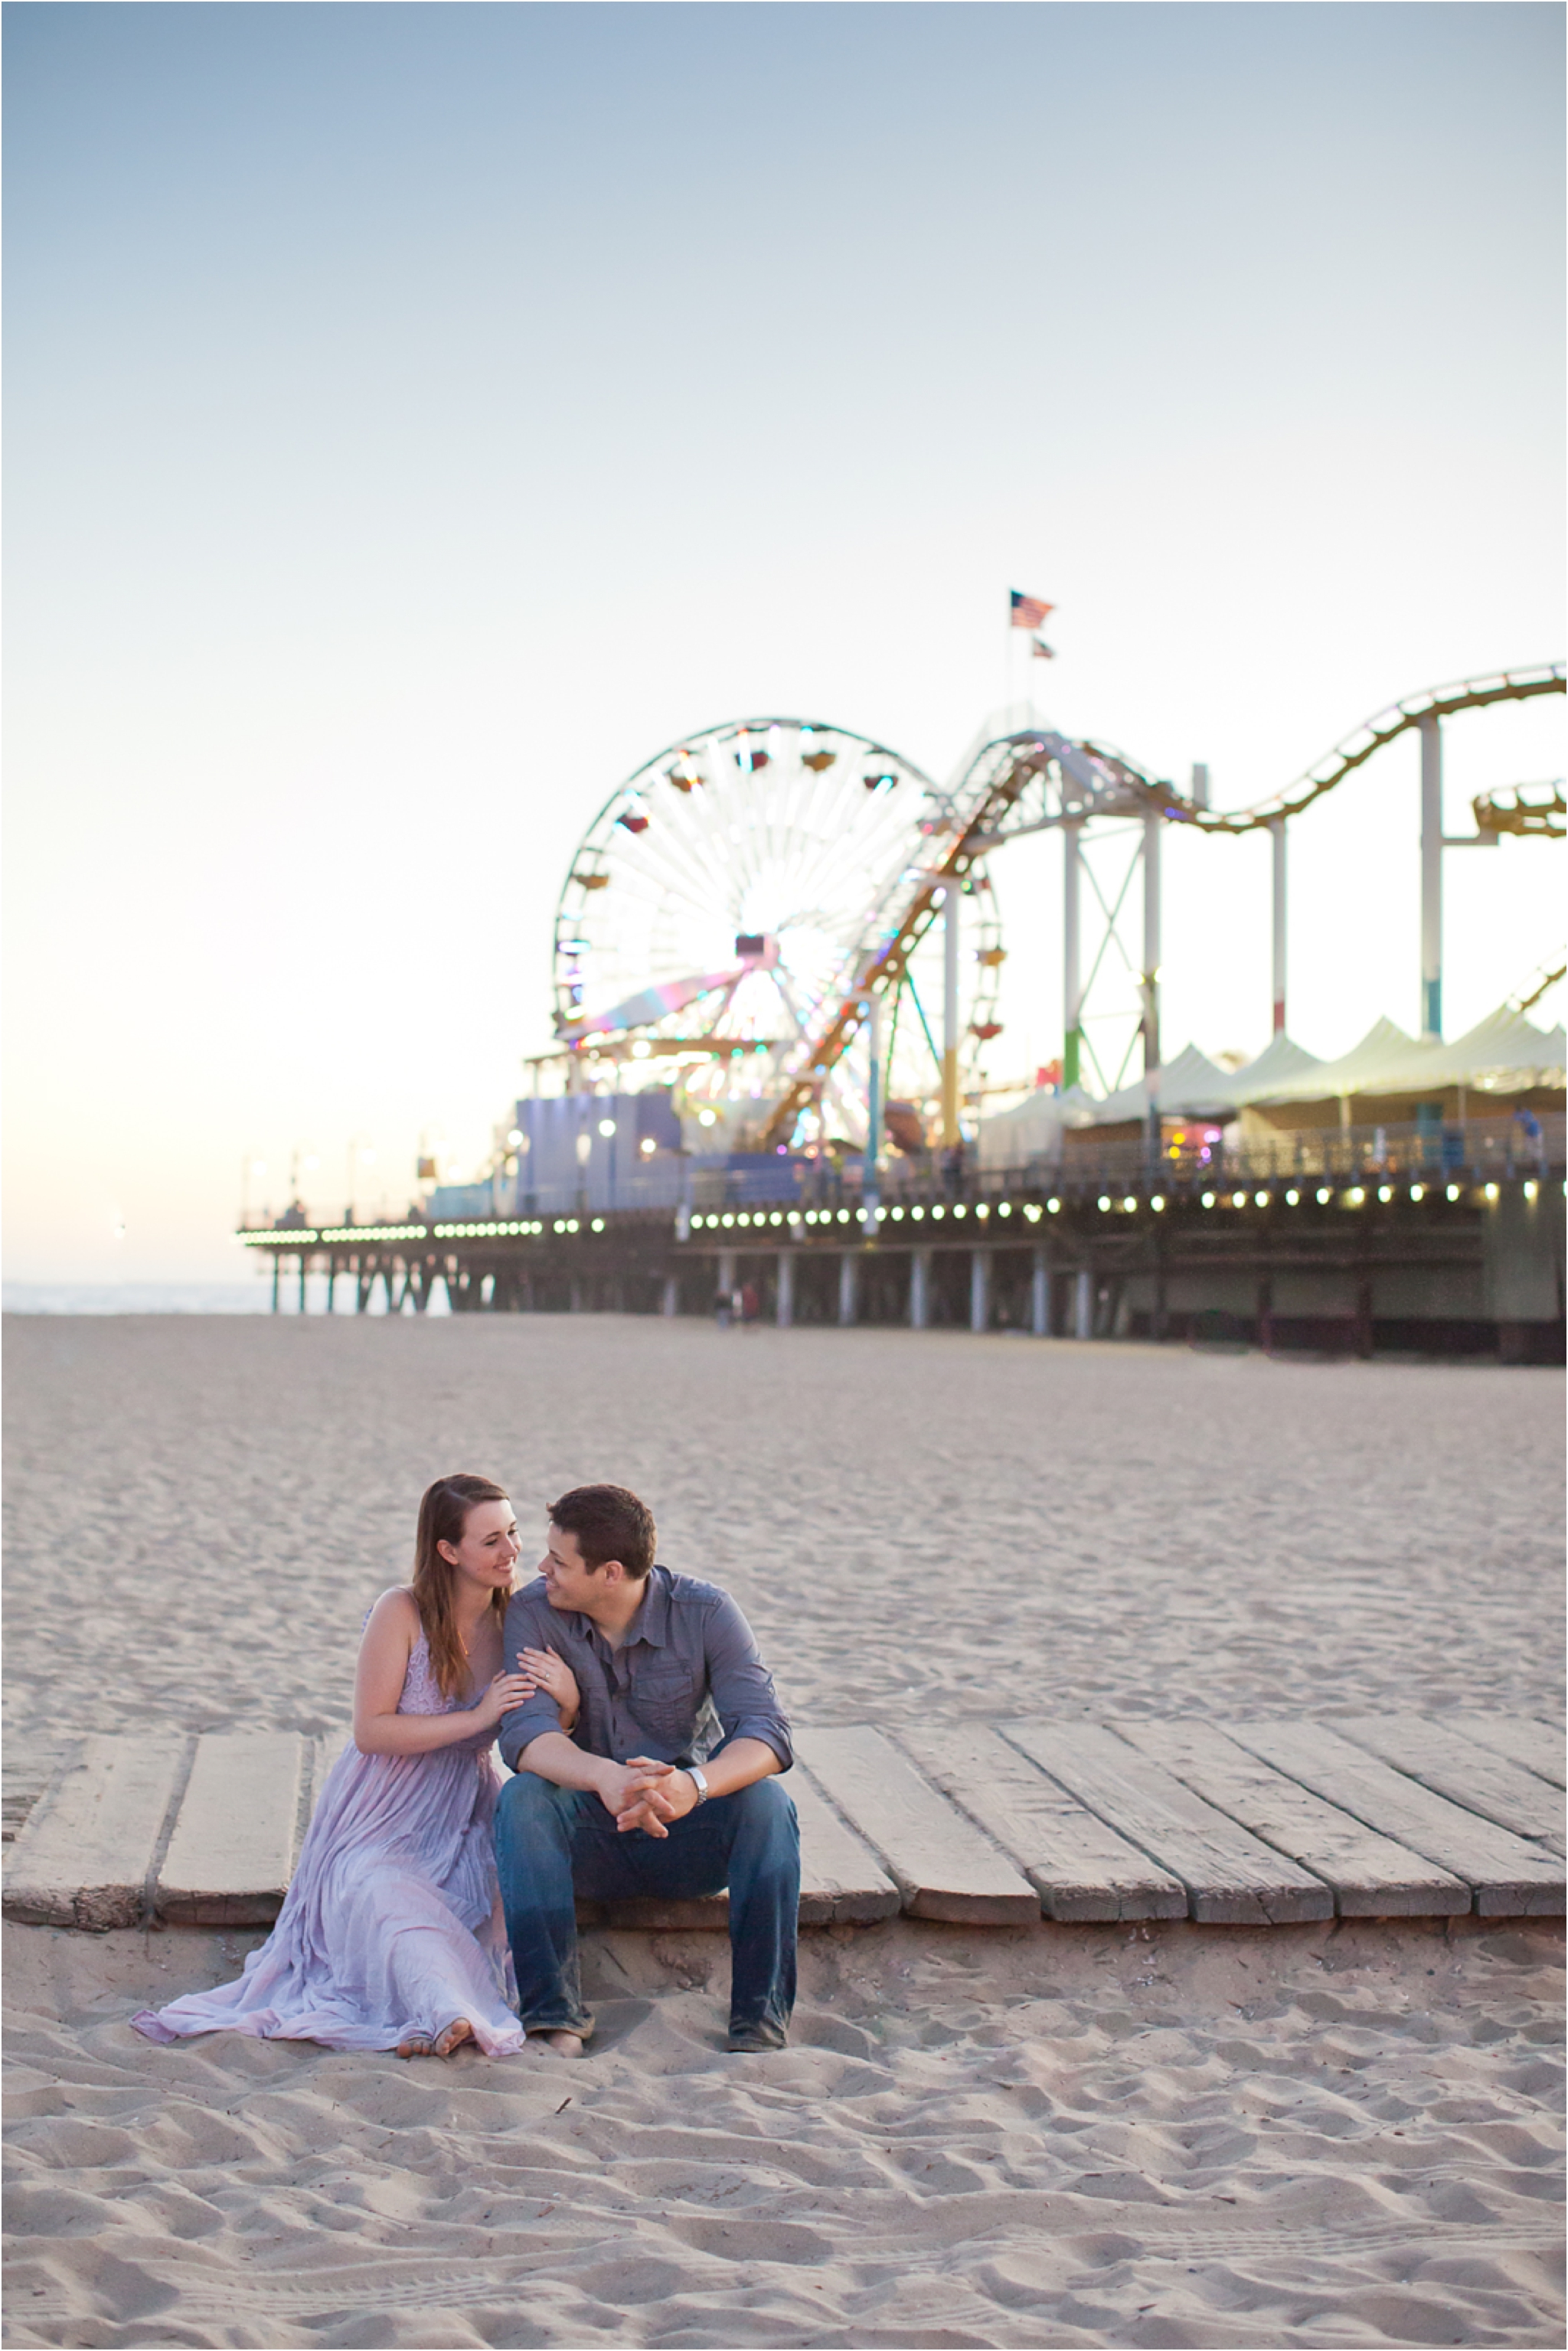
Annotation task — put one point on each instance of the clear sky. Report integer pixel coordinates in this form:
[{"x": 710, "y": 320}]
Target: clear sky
[{"x": 418, "y": 415}]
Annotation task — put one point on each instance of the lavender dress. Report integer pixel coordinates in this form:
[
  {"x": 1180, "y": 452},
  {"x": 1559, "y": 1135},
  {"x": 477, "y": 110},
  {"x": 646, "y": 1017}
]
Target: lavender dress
[{"x": 392, "y": 1925}]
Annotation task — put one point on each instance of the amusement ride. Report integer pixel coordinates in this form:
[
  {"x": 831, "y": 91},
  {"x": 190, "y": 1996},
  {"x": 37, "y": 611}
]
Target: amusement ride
[
  {"x": 778, "y": 952},
  {"x": 802, "y": 933}
]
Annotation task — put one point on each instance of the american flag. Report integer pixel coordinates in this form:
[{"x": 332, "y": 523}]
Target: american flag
[
  {"x": 1042, "y": 651},
  {"x": 1028, "y": 611}
]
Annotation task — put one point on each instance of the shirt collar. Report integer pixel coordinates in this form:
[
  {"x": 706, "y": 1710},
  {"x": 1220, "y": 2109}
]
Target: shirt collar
[{"x": 651, "y": 1622}]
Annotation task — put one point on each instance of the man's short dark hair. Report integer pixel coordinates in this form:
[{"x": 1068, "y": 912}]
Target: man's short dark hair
[{"x": 609, "y": 1522}]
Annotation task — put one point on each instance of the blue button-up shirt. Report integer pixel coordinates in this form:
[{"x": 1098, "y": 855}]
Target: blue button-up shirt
[{"x": 686, "y": 1679}]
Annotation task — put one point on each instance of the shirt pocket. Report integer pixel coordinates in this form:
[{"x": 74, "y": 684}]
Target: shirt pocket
[{"x": 664, "y": 1696}]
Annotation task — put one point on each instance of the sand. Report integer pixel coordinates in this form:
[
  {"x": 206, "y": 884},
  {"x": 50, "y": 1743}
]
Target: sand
[
  {"x": 917, "y": 1524},
  {"x": 1172, "y": 2134}
]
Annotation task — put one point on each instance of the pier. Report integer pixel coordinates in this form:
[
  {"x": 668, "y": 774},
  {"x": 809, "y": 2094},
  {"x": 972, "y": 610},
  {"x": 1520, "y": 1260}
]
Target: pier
[{"x": 1330, "y": 1242}]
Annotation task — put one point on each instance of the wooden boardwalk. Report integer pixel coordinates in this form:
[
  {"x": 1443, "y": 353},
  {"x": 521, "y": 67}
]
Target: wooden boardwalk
[{"x": 1258, "y": 1822}]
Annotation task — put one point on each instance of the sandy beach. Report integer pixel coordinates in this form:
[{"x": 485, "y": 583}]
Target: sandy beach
[{"x": 1171, "y": 2134}]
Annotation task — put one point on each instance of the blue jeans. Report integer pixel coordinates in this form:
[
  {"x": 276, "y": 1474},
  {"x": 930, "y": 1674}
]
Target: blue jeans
[{"x": 554, "y": 1844}]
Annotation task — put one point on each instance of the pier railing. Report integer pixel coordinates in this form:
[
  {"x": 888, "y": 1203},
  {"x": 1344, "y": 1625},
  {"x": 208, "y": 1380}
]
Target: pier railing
[{"x": 1471, "y": 1151}]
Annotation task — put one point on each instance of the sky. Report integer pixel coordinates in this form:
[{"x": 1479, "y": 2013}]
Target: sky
[{"x": 418, "y": 415}]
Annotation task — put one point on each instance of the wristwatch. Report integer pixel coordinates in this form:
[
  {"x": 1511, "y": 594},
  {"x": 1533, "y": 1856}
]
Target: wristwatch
[{"x": 699, "y": 1782}]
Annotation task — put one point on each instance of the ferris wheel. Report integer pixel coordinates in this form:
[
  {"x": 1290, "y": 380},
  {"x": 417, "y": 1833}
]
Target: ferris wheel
[{"x": 719, "y": 906}]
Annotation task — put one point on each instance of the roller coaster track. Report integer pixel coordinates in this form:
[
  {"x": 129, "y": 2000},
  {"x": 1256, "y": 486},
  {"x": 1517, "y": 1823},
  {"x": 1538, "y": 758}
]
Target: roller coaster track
[
  {"x": 1325, "y": 774},
  {"x": 909, "y": 908},
  {"x": 1532, "y": 819},
  {"x": 1106, "y": 781}
]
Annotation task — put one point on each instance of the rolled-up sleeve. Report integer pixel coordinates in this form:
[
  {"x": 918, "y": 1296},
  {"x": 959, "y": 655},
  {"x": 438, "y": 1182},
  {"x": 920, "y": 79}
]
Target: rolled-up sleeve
[
  {"x": 527, "y": 1627},
  {"x": 739, "y": 1683}
]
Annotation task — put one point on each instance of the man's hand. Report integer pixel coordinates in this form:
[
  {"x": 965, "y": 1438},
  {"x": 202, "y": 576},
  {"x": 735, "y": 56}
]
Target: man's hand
[{"x": 644, "y": 1793}]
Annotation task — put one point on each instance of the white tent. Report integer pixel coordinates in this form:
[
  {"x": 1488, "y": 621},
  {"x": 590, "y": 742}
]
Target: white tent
[
  {"x": 1282, "y": 1066},
  {"x": 1501, "y": 1054},
  {"x": 1032, "y": 1128}
]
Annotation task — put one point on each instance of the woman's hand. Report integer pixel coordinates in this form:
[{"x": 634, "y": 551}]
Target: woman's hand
[
  {"x": 504, "y": 1692},
  {"x": 542, "y": 1669}
]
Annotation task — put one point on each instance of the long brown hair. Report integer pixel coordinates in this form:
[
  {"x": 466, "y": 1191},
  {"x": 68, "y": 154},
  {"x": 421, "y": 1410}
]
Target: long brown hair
[{"x": 443, "y": 1513}]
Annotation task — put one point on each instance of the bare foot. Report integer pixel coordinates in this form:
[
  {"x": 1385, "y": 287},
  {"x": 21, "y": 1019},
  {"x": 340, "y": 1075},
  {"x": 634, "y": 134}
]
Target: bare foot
[
  {"x": 565, "y": 2044},
  {"x": 416, "y": 2045},
  {"x": 452, "y": 2036}
]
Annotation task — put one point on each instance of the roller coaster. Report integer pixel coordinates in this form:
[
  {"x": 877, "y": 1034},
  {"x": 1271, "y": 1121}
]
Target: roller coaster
[
  {"x": 763, "y": 895},
  {"x": 761, "y": 917}
]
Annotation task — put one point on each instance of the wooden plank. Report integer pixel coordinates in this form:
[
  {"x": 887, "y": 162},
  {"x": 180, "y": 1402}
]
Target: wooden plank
[
  {"x": 941, "y": 1863},
  {"x": 1508, "y": 1876},
  {"x": 1079, "y": 1868},
  {"x": 232, "y": 1854},
  {"x": 33, "y": 1764},
  {"x": 842, "y": 1882},
  {"x": 1232, "y": 1879},
  {"x": 1433, "y": 1750},
  {"x": 648, "y": 1915},
  {"x": 1372, "y": 1877},
  {"x": 86, "y": 1856},
  {"x": 1537, "y": 1745}
]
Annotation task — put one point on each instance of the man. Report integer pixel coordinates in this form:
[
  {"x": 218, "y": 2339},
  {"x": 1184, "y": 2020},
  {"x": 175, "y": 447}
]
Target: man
[{"x": 667, "y": 1786}]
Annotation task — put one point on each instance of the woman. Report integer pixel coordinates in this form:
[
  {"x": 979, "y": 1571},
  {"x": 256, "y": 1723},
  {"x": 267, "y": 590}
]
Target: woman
[{"x": 391, "y": 1935}]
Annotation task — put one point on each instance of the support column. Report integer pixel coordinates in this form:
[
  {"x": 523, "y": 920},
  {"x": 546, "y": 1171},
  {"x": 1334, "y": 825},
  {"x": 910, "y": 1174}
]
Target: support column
[
  {"x": 1072, "y": 991},
  {"x": 980, "y": 1290},
  {"x": 1151, "y": 823},
  {"x": 331, "y": 1279},
  {"x": 849, "y": 1288},
  {"x": 950, "y": 930},
  {"x": 277, "y": 1278},
  {"x": 670, "y": 1296},
  {"x": 726, "y": 1268},
  {"x": 920, "y": 1289},
  {"x": 786, "y": 1302},
  {"x": 1039, "y": 1295},
  {"x": 1083, "y": 1305},
  {"x": 1277, "y": 834},
  {"x": 303, "y": 1261},
  {"x": 1431, "y": 878},
  {"x": 873, "y": 1114}
]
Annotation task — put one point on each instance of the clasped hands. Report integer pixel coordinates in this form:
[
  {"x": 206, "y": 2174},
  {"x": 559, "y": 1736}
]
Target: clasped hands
[{"x": 646, "y": 1795}]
